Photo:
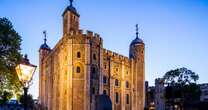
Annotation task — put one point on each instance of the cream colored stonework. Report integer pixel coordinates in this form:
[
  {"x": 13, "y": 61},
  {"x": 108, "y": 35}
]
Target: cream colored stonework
[{"x": 63, "y": 88}]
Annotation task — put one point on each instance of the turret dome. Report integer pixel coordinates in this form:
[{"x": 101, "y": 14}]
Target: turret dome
[
  {"x": 44, "y": 45},
  {"x": 135, "y": 44},
  {"x": 136, "y": 41},
  {"x": 71, "y": 8}
]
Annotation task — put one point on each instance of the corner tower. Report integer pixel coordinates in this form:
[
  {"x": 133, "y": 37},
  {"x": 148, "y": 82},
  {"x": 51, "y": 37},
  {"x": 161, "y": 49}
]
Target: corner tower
[
  {"x": 136, "y": 55},
  {"x": 136, "y": 46},
  {"x": 70, "y": 19},
  {"x": 43, "y": 53}
]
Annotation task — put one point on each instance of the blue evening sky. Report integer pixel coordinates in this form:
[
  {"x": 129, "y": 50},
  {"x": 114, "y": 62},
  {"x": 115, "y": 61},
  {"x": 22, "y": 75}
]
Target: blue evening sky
[{"x": 175, "y": 31}]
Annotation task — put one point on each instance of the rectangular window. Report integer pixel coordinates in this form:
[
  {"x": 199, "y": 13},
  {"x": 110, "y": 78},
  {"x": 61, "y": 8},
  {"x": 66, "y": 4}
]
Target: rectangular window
[
  {"x": 116, "y": 82},
  {"x": 117, "y": 98},
  {"x": 104, "y": 80},
  {"x": 78, "y": 55},
  {"x": 105, "y": 92},
  {"x": 93, "y": 90},
  {"x": 127, "y": 84},
  {"x": 94, "y": 56},
  {"x": 78, "y": 69},
  {"x": 127, "y": 98}
]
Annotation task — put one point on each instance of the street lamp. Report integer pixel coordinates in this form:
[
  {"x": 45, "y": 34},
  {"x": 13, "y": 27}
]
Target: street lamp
[{"x": 25, "y": 72}]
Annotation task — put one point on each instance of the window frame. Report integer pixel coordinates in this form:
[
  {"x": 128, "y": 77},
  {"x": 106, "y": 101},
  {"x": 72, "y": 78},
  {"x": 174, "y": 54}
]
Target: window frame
[
  {"x": 105, "y": 92},
  {"x": 105, "y": 80},
  {"x": 78, "y": 69},
  {"x": 117, "y": 83},
  {"x": 78, "y": 54},
  {"x": 117, "y": 98},
  {"x": 127, "y": 84},
  {"x": 127, "y": 99},
  {"x": 94, "y": 56}
]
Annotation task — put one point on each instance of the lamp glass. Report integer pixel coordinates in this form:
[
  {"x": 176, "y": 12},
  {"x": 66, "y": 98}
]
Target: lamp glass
[{"x": 25, "y": 72}]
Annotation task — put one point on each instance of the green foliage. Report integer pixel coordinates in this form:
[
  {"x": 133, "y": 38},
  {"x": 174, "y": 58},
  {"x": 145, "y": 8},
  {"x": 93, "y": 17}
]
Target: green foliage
[
  {"x": 180, "y": 76},
  {"x": 5, "y": 96},
  {"x": 181, "y": 84},
  {"x": 10, "y": 42}
]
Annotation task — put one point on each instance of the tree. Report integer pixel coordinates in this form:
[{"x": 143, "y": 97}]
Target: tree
[
  {"x": 10, "y": 42},
  {"x": 181, "y": 84},
  {"x": 180, "y": 76},
  {"x": 5, "y": 96}
]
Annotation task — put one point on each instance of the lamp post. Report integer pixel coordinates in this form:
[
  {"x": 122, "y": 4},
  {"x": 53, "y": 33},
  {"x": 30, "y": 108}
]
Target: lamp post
[{"x": 25, "y": 72}]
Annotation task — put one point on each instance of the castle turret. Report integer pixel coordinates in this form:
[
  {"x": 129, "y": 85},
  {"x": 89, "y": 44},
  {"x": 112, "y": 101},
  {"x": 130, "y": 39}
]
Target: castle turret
[
  {"x": 136, "y": 56},
  {"x": 44, "y": 47},
  {"x": 70, "y": 19},
  {"x": 136, "y": 46},
  {"x": 43, "y": 52}
]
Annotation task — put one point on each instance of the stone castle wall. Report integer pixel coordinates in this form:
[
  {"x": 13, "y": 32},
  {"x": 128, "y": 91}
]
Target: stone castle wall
[{"x": 78, "y": 69}]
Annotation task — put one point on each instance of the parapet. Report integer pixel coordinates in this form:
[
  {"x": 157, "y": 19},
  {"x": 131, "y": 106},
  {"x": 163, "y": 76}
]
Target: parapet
[
  {"x": 115, "y": 55},
  {"x": 80, "y": 31},
  {"x": 90, "y": 35}
]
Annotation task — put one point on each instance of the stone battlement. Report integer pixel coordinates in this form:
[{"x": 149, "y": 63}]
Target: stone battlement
[
  {"x": 115, "y": 55},
  {"x": 90, "y": 35}
]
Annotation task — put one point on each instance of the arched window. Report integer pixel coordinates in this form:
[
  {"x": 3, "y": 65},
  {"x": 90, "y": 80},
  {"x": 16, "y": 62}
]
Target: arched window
[
  {"x": 78, "y": 55},
  {"x": 127, "y": 84},
  {"x": 78, "y": 69},
  {"x": 116, "y": 69},
  {"x": 104, "y": 79},
  {"x": 127, "y": 98},
  {"x": 117, "y": 98},
  {"x": 105, "y": 66},
  {"x": 116, "y": 82},
  {"x": 93, "y": 74},
  {"x": 94, "y": 56},
  {"x": 93, "y": 90},
  {"x": 104, "y": 92},
  {"x": 93, "y": 70}
]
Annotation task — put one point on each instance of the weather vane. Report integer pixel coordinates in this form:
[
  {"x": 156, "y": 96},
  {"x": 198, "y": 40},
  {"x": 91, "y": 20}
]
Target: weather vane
[
  {"x": 137, "y": 30},
  {"x": 45, "y": 35},
  {"x": 71, "y": 2}
]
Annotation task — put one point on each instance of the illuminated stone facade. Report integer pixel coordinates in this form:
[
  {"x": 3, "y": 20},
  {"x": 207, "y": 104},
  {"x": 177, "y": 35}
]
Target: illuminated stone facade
[{"x": 78, "y": 69}]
